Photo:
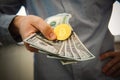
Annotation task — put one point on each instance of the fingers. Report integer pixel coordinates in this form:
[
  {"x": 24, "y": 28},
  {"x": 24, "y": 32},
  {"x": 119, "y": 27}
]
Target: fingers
[
  {"x": 110, "y": 66},
  {"x": 30, "y": 48},
  {"x": 107, "y": 55},
  {"x": 27, "y": 31},
  {"x": 30, "y": 24},
  {"x": 44, "y": 28},
  {"x": 114, "y": 71},
  {"x": 47, "y": 31},
  {"x": 23, "y": 26}
]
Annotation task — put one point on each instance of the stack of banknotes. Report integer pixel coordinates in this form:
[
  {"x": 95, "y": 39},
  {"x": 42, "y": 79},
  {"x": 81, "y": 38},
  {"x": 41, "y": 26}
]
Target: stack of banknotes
[{"x": 67, "y": 51}]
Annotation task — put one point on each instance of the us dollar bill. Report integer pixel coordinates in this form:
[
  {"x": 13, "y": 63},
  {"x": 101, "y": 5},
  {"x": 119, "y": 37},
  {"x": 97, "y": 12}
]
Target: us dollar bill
[
  {"x": 40, "y": 44},
  {"x": 55, "y": 20},
  {"x": 83, "y": 52},
  {"x": 68, "y": 51},
  {"x": 65, "y": 62}
]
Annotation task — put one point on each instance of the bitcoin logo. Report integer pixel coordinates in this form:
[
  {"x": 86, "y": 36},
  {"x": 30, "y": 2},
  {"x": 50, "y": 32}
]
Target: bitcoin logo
[{"x": 62, "y": 31}]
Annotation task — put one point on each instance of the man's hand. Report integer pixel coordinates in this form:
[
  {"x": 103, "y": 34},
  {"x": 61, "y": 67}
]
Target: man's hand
[
  {"x": 27, "y": 25},
  {"x": 112, "y": 68}
]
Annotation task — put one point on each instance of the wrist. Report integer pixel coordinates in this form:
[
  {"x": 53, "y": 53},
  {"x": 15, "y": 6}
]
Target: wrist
[{"x": 14, "y": 28}]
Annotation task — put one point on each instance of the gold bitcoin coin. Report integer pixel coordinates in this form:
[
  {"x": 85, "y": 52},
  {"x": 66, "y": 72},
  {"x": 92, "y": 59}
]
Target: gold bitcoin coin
[{"x": 62, "y": 31}]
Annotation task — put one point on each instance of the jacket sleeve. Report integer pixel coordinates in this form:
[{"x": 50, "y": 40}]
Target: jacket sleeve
[{"x": 8, "y": 10}]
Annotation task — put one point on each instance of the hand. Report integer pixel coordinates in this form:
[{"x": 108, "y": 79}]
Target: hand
[
  {"x": 27, "y": 25},
  {"x": 111, "y": 68}
]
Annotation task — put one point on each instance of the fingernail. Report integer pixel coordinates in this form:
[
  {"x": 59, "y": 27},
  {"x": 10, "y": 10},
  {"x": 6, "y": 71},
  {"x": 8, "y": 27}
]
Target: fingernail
[{"x": 52, "y": 36}]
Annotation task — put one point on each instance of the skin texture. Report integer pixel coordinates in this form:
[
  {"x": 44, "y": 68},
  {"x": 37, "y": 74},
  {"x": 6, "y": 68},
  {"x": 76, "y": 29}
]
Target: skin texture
[
  {"x": 112, "y": 67},
  {"x": 27, "y": 25}
]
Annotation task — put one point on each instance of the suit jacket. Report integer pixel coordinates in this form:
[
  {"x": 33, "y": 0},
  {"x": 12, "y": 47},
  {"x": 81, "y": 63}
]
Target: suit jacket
[{"x": 90, "y": 22}]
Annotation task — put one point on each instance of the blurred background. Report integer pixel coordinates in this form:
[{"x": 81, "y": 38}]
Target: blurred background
[{"x": 16, "y": 63}]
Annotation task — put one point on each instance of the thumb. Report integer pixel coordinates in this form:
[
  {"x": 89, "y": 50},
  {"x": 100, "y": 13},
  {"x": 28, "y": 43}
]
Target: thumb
[
  {"x": 44, "y": 28},
  {"x": 52, "y": 35},
  {"x": 49, "y": 33}
]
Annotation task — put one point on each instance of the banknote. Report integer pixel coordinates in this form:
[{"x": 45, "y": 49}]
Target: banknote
[
  {"x": 62, "y": 18},
  {"x": 65, "y": 62},
  {"x": 67, "y": 51},
  {"x": 84, "y": 53},
  {"x": 35, "y": 41},
  {"x": 75, "y": 48}
]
